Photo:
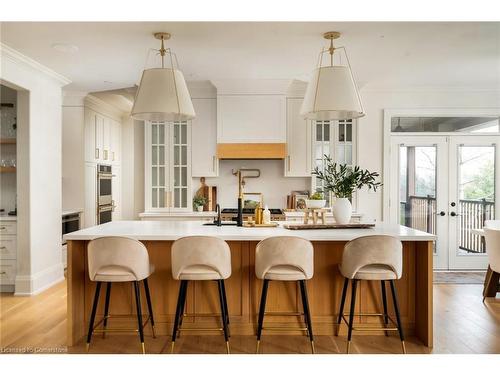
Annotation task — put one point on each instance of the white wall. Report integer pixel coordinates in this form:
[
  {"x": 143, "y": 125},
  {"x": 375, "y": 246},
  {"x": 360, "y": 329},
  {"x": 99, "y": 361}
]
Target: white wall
[
  {"x": 73, "y": 176},
  {"x": 39, "y": 170},
  {"x": 370, "y": 128},
  {"x": 132, "y": 169},
  {"x": 271, "y": 183}
]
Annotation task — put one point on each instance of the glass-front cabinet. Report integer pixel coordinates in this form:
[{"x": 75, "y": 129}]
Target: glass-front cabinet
[
  {"x": 167, "y": 166},
  {"x": 337, "y": 139}
]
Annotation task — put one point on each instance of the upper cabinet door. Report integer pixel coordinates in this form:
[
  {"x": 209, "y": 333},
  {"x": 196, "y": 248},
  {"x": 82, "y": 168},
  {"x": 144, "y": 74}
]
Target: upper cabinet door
[
  {"x": 115, "y": 153},
  {"x": 298, "y": 160},
  {"x": 204, "y": 139},
  {"x": 106, "y": 139},
  {"x": 91, "y": 151},
  {"x": 251, "y": 119}
]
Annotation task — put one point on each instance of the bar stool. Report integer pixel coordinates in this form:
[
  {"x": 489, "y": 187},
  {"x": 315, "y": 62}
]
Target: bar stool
[
  {"x": 201, "y": 258},
  {"x": 284, "y": 258},
  {"x": 119, "y": 259},
  {"x": 492, "y": 239},
  {"x": 372, "y": 258}
]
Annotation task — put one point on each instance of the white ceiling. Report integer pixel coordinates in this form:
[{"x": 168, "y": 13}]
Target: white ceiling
[{"x": 112, "y": 54}]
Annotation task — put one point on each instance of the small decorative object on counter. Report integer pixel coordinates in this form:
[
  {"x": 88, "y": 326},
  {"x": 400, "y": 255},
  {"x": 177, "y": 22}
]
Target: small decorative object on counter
[
  {"x": 316, "y": 201},
  {"x": 258, "y": 214},
  {"x": 343, "y": 180},
  {"x": 198, "y": 202},
  {"x": 266, "y": 216}
]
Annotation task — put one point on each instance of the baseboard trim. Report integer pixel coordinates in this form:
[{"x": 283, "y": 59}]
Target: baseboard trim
[{"x": 34, "y": 284}]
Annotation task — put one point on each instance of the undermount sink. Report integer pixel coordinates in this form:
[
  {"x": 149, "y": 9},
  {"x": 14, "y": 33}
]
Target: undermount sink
[{"x": 222, "y": 224}]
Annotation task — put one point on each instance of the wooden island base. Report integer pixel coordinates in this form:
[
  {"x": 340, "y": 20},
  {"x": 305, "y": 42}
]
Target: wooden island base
[{"x": 243, "y": 293}]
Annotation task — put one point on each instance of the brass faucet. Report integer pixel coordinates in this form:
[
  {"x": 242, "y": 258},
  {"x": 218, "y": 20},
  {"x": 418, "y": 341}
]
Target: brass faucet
[{"x": 241, "y": 184}]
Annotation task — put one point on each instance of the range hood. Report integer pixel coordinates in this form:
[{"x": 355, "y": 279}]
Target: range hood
[
  {"x": 251, "y": 150},
  {"x": 251, "y": 119}
]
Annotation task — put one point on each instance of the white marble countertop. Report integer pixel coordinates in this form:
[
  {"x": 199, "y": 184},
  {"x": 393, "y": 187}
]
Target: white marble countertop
[
  {"x": 179, "y": 214},
  {"x": 172, "y": 230},
  {"x": 5, "y": 217}
]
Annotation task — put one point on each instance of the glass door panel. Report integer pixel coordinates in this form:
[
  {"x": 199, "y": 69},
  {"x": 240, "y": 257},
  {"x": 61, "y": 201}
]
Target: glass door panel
[
  {"x": 420, "y": 191},
  {"x": 473, "y": 197},
  {"x": 180, "y": 166}
]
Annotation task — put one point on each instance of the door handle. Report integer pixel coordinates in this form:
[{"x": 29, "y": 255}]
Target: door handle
[
  {"x": 3, "y": 273},
  {"x": 454, "y": 214},
  {"x": 442, "y": 213}
]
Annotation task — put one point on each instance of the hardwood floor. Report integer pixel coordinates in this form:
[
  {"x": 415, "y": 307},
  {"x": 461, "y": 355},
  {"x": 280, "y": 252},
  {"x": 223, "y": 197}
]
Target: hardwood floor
[{"x": 462, "y": 324}]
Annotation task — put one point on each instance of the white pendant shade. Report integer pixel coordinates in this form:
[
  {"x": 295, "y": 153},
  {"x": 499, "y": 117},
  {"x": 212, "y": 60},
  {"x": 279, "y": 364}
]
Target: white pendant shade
[
  {"x": 332, "y": 95},
  {"x": 163, "y": 96}
]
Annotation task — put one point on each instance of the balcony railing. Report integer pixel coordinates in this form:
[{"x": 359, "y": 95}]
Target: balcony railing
[{"x": 420, "y": 213}]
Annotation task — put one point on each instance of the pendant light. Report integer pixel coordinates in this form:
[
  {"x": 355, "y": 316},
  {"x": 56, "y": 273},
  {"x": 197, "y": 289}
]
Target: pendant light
[
  {"x": 332, "y": 94},
  {"x": 162, "y": 94}
]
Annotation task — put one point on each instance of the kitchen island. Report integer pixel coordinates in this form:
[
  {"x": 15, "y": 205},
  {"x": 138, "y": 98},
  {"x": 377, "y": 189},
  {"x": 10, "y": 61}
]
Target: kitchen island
[{"x": 243, "y": 288}]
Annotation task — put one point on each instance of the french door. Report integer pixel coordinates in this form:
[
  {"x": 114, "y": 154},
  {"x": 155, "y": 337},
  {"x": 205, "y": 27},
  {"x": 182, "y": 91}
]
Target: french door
[{"x": 447, "y": 185}]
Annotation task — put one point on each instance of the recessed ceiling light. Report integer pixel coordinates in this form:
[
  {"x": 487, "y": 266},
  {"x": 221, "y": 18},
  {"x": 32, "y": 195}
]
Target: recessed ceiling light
[{"x": 65, "y": 47}]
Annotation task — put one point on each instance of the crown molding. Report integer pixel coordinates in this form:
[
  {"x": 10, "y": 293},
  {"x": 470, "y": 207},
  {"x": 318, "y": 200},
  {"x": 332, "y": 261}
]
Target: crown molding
[
  {"x": 74, "y": 98},
  {"x": 19, "y": 58},
  {"x": 427, "y": 89},
  {"x": 252, "y": 86},
  {"x": 104, "y": 108}
]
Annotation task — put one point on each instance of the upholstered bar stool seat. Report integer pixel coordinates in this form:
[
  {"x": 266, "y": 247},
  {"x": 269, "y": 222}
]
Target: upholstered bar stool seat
[
  {"x": 201, "y": 258},
  {"x": 372, "y": 258},
  {"x": 375, "y": 272},
  {"x": 284, "y": 258},
  {"x": 118, "y": 274},
  {"x": 119, "y": 259}
]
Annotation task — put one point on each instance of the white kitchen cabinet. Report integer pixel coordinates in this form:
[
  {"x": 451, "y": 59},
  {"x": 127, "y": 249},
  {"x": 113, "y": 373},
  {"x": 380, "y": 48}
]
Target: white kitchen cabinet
[
  {"x": 298, "y": 141},
  {"x": 251, "y": 119},
  {"x": 116, "y": 188},
  {"x": 106, "y": 139},
  {"x": 167, "y": 167},
  {"x": 8, "y": 255},
  {"x": 90, "y": 213},
  {"x": 204, "y": 139},
  {"x": 115, "y": 154},
  {"x": 102, "y": 138}
]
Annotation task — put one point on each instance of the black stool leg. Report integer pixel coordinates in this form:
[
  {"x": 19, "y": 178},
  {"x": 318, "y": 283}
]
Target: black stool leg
[
  {"x": 398, "y": 317},
  {"x": 139, "y": 314},
  {"x": 225, "y": 307},
  {"x": 307, "y": 312},
  {"x": 222, "y": 298},
  {"x": 354, "y": 284},
  {"x": 342, "y": 303},
  {"x": 106, "y": 308},
  {"x": 262, "y": 309},
  {"x": 183, "y": 309},
  {"x": 384, "y": 302},
  {"x": 178, "y": 312},
  {"x": 92, "y": 316},
  {"x": 150, "y": 306}
]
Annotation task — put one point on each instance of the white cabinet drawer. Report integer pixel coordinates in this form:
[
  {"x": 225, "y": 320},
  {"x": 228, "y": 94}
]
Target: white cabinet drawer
[
  {"x": 8, "y": 227},
  {"x": 7, "y": 272},
  {"x": 8, "y": 247}
]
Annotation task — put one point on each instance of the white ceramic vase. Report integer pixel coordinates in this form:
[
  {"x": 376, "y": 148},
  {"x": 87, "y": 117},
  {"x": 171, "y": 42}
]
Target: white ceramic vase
[{"x": 342, "y": 210}]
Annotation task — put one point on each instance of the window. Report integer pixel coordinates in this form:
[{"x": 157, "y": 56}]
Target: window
[{"x": 335, "y": 139}]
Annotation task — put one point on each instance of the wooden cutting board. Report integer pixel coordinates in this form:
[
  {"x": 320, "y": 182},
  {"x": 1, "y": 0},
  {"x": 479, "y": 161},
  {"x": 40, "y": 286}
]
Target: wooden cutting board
[{"x": 328, "y": 226}]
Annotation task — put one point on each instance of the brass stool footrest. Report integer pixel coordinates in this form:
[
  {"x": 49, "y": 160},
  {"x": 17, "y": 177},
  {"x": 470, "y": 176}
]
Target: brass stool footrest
[
  {"x": 201, "y": 315},
  {"x": 284, "y": 314},
  {"x": 101, "y": 321},
  {"x": 272, "y": 328},
  {"x": 368, "y": 328},
  {"x": 200, "y": 329}
]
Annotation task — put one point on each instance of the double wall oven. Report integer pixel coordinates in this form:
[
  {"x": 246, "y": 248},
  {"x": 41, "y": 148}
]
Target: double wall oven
[{"x": 105, "y": 203}]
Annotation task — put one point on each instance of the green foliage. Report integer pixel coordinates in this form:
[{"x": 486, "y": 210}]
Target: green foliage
[
  {"x": 199, "y": 200},
  {"x": 343, "y": 180},
  {"x": 317, "y": 196},
  {"x": 482, "y": 185}
]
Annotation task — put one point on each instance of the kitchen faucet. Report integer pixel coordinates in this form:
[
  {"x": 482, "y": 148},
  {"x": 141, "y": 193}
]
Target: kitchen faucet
[
  {"x": 218, "y": 221},
  {"x": 241, "y": 183}
]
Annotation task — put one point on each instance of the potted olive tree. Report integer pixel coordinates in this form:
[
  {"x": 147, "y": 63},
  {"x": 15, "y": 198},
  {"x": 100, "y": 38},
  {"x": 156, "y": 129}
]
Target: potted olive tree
[{"x": 342, "y": 180}]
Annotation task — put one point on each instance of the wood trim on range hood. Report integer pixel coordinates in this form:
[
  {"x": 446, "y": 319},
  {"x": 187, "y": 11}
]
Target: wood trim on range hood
[{"x": 251, "y": 150}]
